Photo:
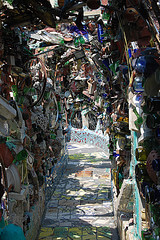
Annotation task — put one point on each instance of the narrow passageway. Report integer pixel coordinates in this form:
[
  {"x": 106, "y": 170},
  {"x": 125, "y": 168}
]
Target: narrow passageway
[{"x": 81, "y": 206}]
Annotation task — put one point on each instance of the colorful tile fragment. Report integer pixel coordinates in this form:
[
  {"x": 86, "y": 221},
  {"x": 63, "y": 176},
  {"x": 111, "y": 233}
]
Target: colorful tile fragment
[{"x": 46, "y": 233}]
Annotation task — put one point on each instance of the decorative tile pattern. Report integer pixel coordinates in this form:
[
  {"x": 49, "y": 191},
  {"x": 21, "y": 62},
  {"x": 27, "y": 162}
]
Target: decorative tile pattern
[
  {"x": 53, "y": 179},
  {"x": 81, "y": 206},
  {"x": 89, "y": 137}
]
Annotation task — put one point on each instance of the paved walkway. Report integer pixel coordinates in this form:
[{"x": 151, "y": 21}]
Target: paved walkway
[{"x": 81, "y": 206}]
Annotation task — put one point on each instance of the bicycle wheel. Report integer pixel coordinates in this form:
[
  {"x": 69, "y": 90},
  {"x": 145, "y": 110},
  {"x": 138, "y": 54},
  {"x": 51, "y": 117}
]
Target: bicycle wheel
[{"x": 35, "y": 83}]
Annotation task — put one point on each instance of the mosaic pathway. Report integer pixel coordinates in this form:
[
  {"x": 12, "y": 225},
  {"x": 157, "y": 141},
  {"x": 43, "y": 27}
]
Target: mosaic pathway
[{"x": 81, "y": 206}]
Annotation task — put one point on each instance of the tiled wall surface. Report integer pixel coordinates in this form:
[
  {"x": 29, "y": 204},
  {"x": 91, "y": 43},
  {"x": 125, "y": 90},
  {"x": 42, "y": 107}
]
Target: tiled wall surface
[
  {"x": 89, "y": 137},
  {"x": 55, "y": 176}
]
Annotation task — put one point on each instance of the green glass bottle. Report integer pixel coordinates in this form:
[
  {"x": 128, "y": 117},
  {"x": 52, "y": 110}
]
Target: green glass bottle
[
  {"x": 147, "y": 235},
  {"x": 139, "y": 120},
  {"x": 106, "y": 15},
  {"x": 53, "y": 136},
  {"x": 21, "y": 156},
  {"x": 81, "y": 39},
  {"x": 76, "y": 42},
  {"x": 15, "y": 92}
]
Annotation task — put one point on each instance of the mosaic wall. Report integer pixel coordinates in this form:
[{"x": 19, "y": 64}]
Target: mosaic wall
[
  {"x": 89, "y": 137},
  {"x": 36, "y": 216},
  {"x": 51, "y": 182},
  {"x": 56, "y": 173}
]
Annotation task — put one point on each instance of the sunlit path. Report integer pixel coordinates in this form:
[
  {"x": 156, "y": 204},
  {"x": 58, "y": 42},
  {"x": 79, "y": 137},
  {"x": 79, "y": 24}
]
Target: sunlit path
[{"x": 81, "y": 206}]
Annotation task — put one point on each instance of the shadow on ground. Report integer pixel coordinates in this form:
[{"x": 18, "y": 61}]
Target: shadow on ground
[{"x": 81, "y": 206}]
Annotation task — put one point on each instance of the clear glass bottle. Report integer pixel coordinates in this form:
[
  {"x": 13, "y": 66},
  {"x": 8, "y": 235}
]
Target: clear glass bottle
[{"x": 138, "y": 83}]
